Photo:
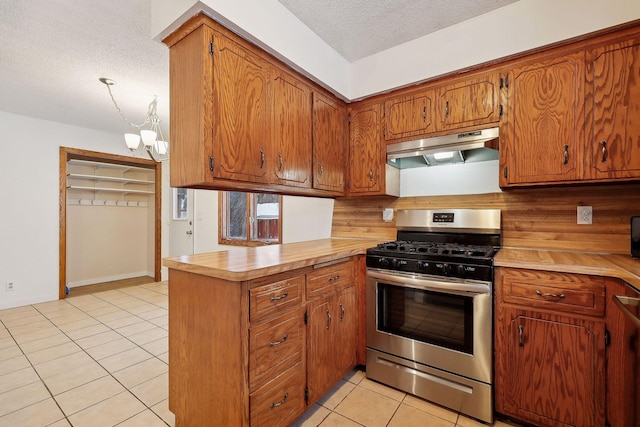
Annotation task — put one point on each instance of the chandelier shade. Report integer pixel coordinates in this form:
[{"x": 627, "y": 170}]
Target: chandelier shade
[{"x": 148, "y": 141}]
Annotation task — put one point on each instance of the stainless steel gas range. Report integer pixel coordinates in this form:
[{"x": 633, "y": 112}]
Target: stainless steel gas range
[{"x": 429, "y": 308}]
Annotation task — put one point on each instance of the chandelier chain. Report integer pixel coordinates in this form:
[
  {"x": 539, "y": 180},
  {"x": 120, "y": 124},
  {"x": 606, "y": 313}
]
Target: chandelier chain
[{"x": 150, "y": 112}]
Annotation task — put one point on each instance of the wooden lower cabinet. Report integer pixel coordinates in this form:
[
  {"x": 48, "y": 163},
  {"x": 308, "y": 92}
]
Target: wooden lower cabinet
[
  {"x": 332, "y": 333},
  {"x": 550, "y": 363},
  {"x": 280, "y": 401},
  {"x": 247, "y": 353}
]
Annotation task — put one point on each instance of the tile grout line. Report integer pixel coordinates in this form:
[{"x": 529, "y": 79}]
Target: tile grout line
[
  {"x": 39, "y": 377},
  {"x": 97, "y": 361}
]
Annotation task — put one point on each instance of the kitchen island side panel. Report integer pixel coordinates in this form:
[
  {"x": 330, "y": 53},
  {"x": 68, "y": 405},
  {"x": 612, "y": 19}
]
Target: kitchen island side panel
[{"x": 208, "y": 323}]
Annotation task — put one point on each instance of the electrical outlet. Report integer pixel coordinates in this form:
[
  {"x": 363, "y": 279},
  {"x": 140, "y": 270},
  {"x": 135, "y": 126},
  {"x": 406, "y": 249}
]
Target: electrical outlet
[
  {"x": 9, "y": 286},
  {"x": 387, "y": 214},
  {"x": 585, "y": 215}
]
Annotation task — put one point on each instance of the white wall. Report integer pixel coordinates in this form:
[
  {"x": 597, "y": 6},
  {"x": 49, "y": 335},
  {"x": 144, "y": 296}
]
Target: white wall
[
  {"x": 463, "y": 178},
  {"x": 106, "y": 243},
  {"x": 29, "y": 177},
  {"x": 520, "y": 26},
  {"x": 303, "y": 218}
]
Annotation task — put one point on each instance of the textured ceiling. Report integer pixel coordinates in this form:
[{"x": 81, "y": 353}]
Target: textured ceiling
[
  {"x": 360, "y": 28},
  {"x": 53, "y": 52}
]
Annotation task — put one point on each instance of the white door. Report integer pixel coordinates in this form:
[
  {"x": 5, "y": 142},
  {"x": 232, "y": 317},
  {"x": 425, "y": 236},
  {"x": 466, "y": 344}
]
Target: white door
[{"x": 181, "y": 238}]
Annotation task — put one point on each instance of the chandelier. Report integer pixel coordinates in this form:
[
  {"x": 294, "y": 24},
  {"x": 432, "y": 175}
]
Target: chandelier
[{"x": 148, "y": 141}]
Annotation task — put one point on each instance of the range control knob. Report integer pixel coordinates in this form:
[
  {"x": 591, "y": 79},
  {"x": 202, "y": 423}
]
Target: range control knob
[
  {"x": 422, "y": 265},
  {"x": 383, "y": 261},
  {"x": 394, "y": 263},
  {"x": 460, "y": 270},
  {"x": 446, "y": 268}
]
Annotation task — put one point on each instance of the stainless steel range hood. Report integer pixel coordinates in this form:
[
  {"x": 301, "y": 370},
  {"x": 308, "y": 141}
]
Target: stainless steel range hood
[{"x": 461, "y": 142}]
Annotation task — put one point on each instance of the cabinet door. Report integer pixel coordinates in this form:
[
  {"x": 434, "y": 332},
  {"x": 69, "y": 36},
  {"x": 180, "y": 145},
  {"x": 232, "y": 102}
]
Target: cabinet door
[
  {"x": 366, "y": 150},
  {"x": 470, "y": 102},
  {"x": 346, "y": 330},
  {"x": 555, "y": 369},
  {"x": 410, "y": 115},
  {"x": 613, "y": 110},
  {"x": 542, "y": 133},
  {"x": 320, "y": 347},
  {"x": 241, "y": 113},
  {"x": 292, "y": 130},
  {"x": 329, "y": 144}
]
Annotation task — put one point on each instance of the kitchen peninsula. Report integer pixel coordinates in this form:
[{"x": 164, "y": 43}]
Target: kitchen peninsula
[{"x": 258, "y": 334}]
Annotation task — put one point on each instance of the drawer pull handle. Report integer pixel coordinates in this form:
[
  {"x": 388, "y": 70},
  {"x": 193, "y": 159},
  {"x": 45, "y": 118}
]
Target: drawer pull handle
[
  {"x": 341, "y": 312},
  {"x": 566, "y": 155},
  {"x": 283, "y": 296},
  {"x": 521, "y": 336},
  {"x": 275, "y": 343},
  {"x": 328, "y": 319},
  {"x": 284, "y": 399},
  {"x": 334, "y": 278},
  {"x": 547, "y": 294}
]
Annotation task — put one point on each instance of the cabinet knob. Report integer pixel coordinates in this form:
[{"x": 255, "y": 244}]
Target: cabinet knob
[{"x": 605, "y": 153}]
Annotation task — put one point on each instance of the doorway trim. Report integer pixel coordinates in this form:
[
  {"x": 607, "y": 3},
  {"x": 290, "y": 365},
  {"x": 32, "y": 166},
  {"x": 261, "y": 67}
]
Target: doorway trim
[{"x": 67, "y": 154}]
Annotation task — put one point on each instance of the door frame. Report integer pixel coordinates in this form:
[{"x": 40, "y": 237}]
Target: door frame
[{"x": 67, "y": 154}]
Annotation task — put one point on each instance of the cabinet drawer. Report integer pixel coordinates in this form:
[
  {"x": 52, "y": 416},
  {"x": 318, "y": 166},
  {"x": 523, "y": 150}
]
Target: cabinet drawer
[
  {"x": 281, "y": 401},
  {"x": 274, "y": 346},
  {"x": 275, "y": 297},
  {"x": 328, "y": 279},
  {"x": 571, "y": 293}
]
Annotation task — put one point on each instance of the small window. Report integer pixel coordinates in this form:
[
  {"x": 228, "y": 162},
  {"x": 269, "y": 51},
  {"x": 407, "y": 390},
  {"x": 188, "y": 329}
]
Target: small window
[
  {"x": 249, "y": 219},
  {"x": 180, "y": 204}
]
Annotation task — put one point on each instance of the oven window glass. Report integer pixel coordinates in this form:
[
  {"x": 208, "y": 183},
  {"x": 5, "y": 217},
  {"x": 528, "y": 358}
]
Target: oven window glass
[{"x": 445, "y": 320}]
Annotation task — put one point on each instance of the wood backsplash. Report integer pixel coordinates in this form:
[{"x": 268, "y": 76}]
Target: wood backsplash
[{"x": 540, "y": 218}]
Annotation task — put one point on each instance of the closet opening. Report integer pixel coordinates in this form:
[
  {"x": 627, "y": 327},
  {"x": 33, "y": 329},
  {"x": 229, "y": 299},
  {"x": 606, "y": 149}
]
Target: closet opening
[{"x": 112, "y": 205}]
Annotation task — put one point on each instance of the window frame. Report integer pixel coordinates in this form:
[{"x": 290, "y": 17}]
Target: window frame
[{"x": 223, "y": 221}]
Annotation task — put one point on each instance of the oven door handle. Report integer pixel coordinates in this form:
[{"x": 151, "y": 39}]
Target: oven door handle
[{"x": 434, "y": 284}]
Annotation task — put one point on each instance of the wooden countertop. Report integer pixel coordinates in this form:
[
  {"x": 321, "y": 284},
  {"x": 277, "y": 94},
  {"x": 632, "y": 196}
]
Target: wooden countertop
[
  {"x": 611, "y": 265},
  {"x": 241, "y": 263}
]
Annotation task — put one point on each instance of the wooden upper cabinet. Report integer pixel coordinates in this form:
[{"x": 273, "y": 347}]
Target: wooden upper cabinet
[
  {"x": 241, "y": 120},
  {"x": 410, "y": 115},
  {"x": 241, "y": 114},
  {"x": 469, "y": 102},
  {"x": 613, "y": 111},
  {"x": 292, "y": 126},
  {"x": 542, "y": 132},
  {"x": 329, "y": 144},
  {"x": 367, "y": 154}
]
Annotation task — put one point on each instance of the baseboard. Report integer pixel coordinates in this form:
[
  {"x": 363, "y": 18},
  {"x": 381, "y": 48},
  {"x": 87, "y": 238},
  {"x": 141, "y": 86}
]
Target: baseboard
[{"x": 95, "y": 280}]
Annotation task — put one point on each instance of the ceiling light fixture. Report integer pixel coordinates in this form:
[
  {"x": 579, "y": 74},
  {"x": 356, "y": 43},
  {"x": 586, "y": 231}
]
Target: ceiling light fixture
[{"x": 150, "y": 140}]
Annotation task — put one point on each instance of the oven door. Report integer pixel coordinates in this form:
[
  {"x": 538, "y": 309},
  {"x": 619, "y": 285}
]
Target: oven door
[{"x": 444, "y": 323}]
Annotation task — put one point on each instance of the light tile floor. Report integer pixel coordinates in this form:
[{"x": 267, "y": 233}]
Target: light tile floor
[{"x": 101, "y": 360}]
